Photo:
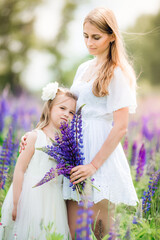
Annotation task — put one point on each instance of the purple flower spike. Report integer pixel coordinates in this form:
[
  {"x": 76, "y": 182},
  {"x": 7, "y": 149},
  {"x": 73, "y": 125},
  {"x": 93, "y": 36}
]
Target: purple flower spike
[
  {"x": 3, "y": 112},
  {"x": 48, "y": 176},
  {"x": 134, "y": 153},
  {"x": 125, "y": 145},
  {"x": 134, "y": 220},
  {"x": 67, "y": 151},
  {"x": 148, "y": 195},
  {"x": 141, "y": 162},
  {"x": 7, "y": 157},
  {"x": 84, "y": 221},
  {"x": 145, "y": 131}
]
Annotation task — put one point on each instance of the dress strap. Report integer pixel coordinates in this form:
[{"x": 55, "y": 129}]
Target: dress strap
[{"x": 41, "y": 139}]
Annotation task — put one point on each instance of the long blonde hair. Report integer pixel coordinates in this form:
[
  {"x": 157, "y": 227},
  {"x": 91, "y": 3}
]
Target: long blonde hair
[
  {"x": 104, "y": 20},
  {"x": 45, "y": 115}
]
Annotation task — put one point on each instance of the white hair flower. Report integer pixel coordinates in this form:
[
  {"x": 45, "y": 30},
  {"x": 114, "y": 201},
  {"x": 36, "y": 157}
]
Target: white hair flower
[{"x": 49, "y": 92}]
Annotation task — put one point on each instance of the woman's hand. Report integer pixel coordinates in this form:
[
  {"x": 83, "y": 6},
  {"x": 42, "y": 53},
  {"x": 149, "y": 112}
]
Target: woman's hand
[
  {"x": 23, "y": 142},
  {"x": 14, "y": 213},
  {"x": 82, "y": 172}
]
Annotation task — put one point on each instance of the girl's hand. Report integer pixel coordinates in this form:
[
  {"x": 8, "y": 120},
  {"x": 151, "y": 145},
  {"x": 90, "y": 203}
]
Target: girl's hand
[
  {"x": 82, "y": 172},
  {"x": 23, "y": 142},
  {"x": 14, "y": 213}
]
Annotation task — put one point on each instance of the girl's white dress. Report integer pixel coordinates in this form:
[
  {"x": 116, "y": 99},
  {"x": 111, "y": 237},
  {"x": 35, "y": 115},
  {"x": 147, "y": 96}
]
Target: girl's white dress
[
  {"x": 37, "y": 207},
  {"x": 113, "y": 178}
]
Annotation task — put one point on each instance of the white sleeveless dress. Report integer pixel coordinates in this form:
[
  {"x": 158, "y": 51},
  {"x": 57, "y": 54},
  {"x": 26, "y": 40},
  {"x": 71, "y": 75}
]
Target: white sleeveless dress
[
  {"x": 113, "y": 178},
  {"x": 38, "y": 206}
]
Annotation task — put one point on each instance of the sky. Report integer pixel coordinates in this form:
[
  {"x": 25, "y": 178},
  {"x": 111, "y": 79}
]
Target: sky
[{"x": 36, "y": 74}]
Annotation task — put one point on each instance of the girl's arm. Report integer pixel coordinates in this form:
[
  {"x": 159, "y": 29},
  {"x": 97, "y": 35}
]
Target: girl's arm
[
  {"x": 119, "y": 129},
  {"x": 20, "y": 168}
]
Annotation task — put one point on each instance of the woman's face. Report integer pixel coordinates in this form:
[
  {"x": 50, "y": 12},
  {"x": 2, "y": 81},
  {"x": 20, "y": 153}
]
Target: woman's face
[{"x": 96, "y": 41}]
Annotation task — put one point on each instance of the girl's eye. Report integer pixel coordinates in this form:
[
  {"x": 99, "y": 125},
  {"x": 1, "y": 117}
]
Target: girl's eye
[
  {"x": 72, "y": 113},
  {"x": 61, "y": 107},
  {"x": 85, "y": 36}
]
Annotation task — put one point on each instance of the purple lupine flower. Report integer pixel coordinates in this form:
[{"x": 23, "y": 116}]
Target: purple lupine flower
[
  {"x": 125, "y": 145},
  {"x": 151, "y": 163},
  {"x": 3, "y": 112},
  {"x": 145, "y": 131},
  {"x": 27, "y": 118},
  {"x": 7, "y": 157},
  {"x": 158, "y": 141},
  {"x": 84, "y": 220},
  {"x": 113, "y": 235},
  {"x": 141, "y": 162},
  {"x": 114, "y": 231},
  {"x": 134, "y": 220},
  {"x": 67, "y": 151},
  {"x": 14, "y": 121},
  {"x": 138, "y": 216},
  {"x": 134, "y": 152},
  {"x": 128, "y": 234},
  {"x": 152, "y": 187}
]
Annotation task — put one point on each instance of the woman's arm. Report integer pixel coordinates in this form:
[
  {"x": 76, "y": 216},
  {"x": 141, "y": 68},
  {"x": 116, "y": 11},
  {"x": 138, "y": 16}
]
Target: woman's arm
[
  {"x": 20, "y": 168},
  {"x": 119, "y": 129},
  {"x": 23, "y": 141}
]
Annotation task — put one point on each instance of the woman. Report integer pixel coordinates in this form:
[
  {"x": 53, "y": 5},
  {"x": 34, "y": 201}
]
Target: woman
[{"x": 106, "y": 84}]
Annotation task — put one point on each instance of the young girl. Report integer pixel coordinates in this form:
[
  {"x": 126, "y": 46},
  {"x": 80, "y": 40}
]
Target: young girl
[{"x": 26, "y": 210}]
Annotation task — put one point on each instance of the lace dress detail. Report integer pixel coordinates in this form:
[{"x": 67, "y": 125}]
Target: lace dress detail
[{"x": 113, "y": 178}]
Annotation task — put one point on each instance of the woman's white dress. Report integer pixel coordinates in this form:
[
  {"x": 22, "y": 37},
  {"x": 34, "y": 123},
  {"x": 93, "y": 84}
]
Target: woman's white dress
[
  {"x": 113, "y": 178},
  {"x": 37, "y": 207}
]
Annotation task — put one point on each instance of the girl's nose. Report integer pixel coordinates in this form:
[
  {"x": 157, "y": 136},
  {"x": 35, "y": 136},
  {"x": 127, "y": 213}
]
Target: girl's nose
[{"x": 66, "y": 114}]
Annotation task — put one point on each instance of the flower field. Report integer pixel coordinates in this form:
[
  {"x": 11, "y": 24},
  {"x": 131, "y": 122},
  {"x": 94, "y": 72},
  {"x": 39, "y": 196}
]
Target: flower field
[{"x": 141, "y": 146}]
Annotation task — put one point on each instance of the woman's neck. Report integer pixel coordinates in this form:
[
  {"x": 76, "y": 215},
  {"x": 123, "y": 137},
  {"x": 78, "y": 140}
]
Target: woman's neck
[{"x": 101, "y": 58}]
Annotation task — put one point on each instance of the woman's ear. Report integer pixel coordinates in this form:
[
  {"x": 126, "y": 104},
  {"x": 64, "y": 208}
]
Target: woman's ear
[{"x": 112, "y": 39}]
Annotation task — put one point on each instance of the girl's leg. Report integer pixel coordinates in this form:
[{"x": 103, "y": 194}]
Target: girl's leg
[
  {"x": 103, "y": 214},
  {"x": 72, "y": 208}
]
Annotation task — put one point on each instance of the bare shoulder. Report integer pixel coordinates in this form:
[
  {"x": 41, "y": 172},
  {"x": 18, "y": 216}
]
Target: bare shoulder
[{"x": 32, "y": 137}]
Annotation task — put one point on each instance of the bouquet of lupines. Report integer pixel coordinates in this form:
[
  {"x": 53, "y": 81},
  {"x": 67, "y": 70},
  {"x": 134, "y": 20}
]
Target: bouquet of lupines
[{"x": 67, "y": 151}]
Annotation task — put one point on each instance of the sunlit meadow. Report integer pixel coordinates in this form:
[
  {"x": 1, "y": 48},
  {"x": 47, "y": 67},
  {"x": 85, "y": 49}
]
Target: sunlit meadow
[{"x": 141, "y": 146}]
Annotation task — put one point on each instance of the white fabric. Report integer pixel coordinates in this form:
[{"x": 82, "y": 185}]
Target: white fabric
[
  {"x": 113, "y": 178},
  {"x": 37, "y": 206}
]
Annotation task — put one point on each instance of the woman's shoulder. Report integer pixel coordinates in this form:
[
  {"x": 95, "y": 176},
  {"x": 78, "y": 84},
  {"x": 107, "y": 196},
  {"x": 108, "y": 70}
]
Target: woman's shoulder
[
  {"x": 119, "y": 80},
  {"x": 85, "y": 64},
  {"x": 81, "y": 69},
  {"x": 118, "y": 72},
  {"x": 119, "y": 76}
]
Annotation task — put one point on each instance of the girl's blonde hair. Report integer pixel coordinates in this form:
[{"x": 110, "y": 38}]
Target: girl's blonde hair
[
  {"x": 104, "y": 20},
  {"x": 45, "y": 116}
]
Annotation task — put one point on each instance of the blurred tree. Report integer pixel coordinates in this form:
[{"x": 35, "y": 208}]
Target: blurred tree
[
  {"x": 144, "y": 47},
  {"x": 55, "y": 47},
  {"x": 16, "y": 37}
]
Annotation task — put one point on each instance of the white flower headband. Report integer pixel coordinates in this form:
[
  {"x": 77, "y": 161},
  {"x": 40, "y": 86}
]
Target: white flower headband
[{"x": 49, "y": 92}]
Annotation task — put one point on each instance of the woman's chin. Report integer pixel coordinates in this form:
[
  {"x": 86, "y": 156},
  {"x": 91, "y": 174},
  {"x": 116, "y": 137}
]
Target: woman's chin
[{"x": 92, "y": 51}]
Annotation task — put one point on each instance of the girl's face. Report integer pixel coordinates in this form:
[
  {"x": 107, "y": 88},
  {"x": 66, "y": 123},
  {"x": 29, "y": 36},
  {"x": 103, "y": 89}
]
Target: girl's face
[
  {"x": 96, "y": 41},
  {"x": 62, "y": 110}
]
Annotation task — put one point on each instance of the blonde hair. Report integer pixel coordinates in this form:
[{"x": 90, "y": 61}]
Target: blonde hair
[
  {"x": 104, "y": 20},
  {"x": 45, "y": 115}
]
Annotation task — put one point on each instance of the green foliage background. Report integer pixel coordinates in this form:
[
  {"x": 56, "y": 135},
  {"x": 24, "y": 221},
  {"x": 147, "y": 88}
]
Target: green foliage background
[
  {"x": 143, "y": 47},
  {"x": 17, "y": 38}
]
